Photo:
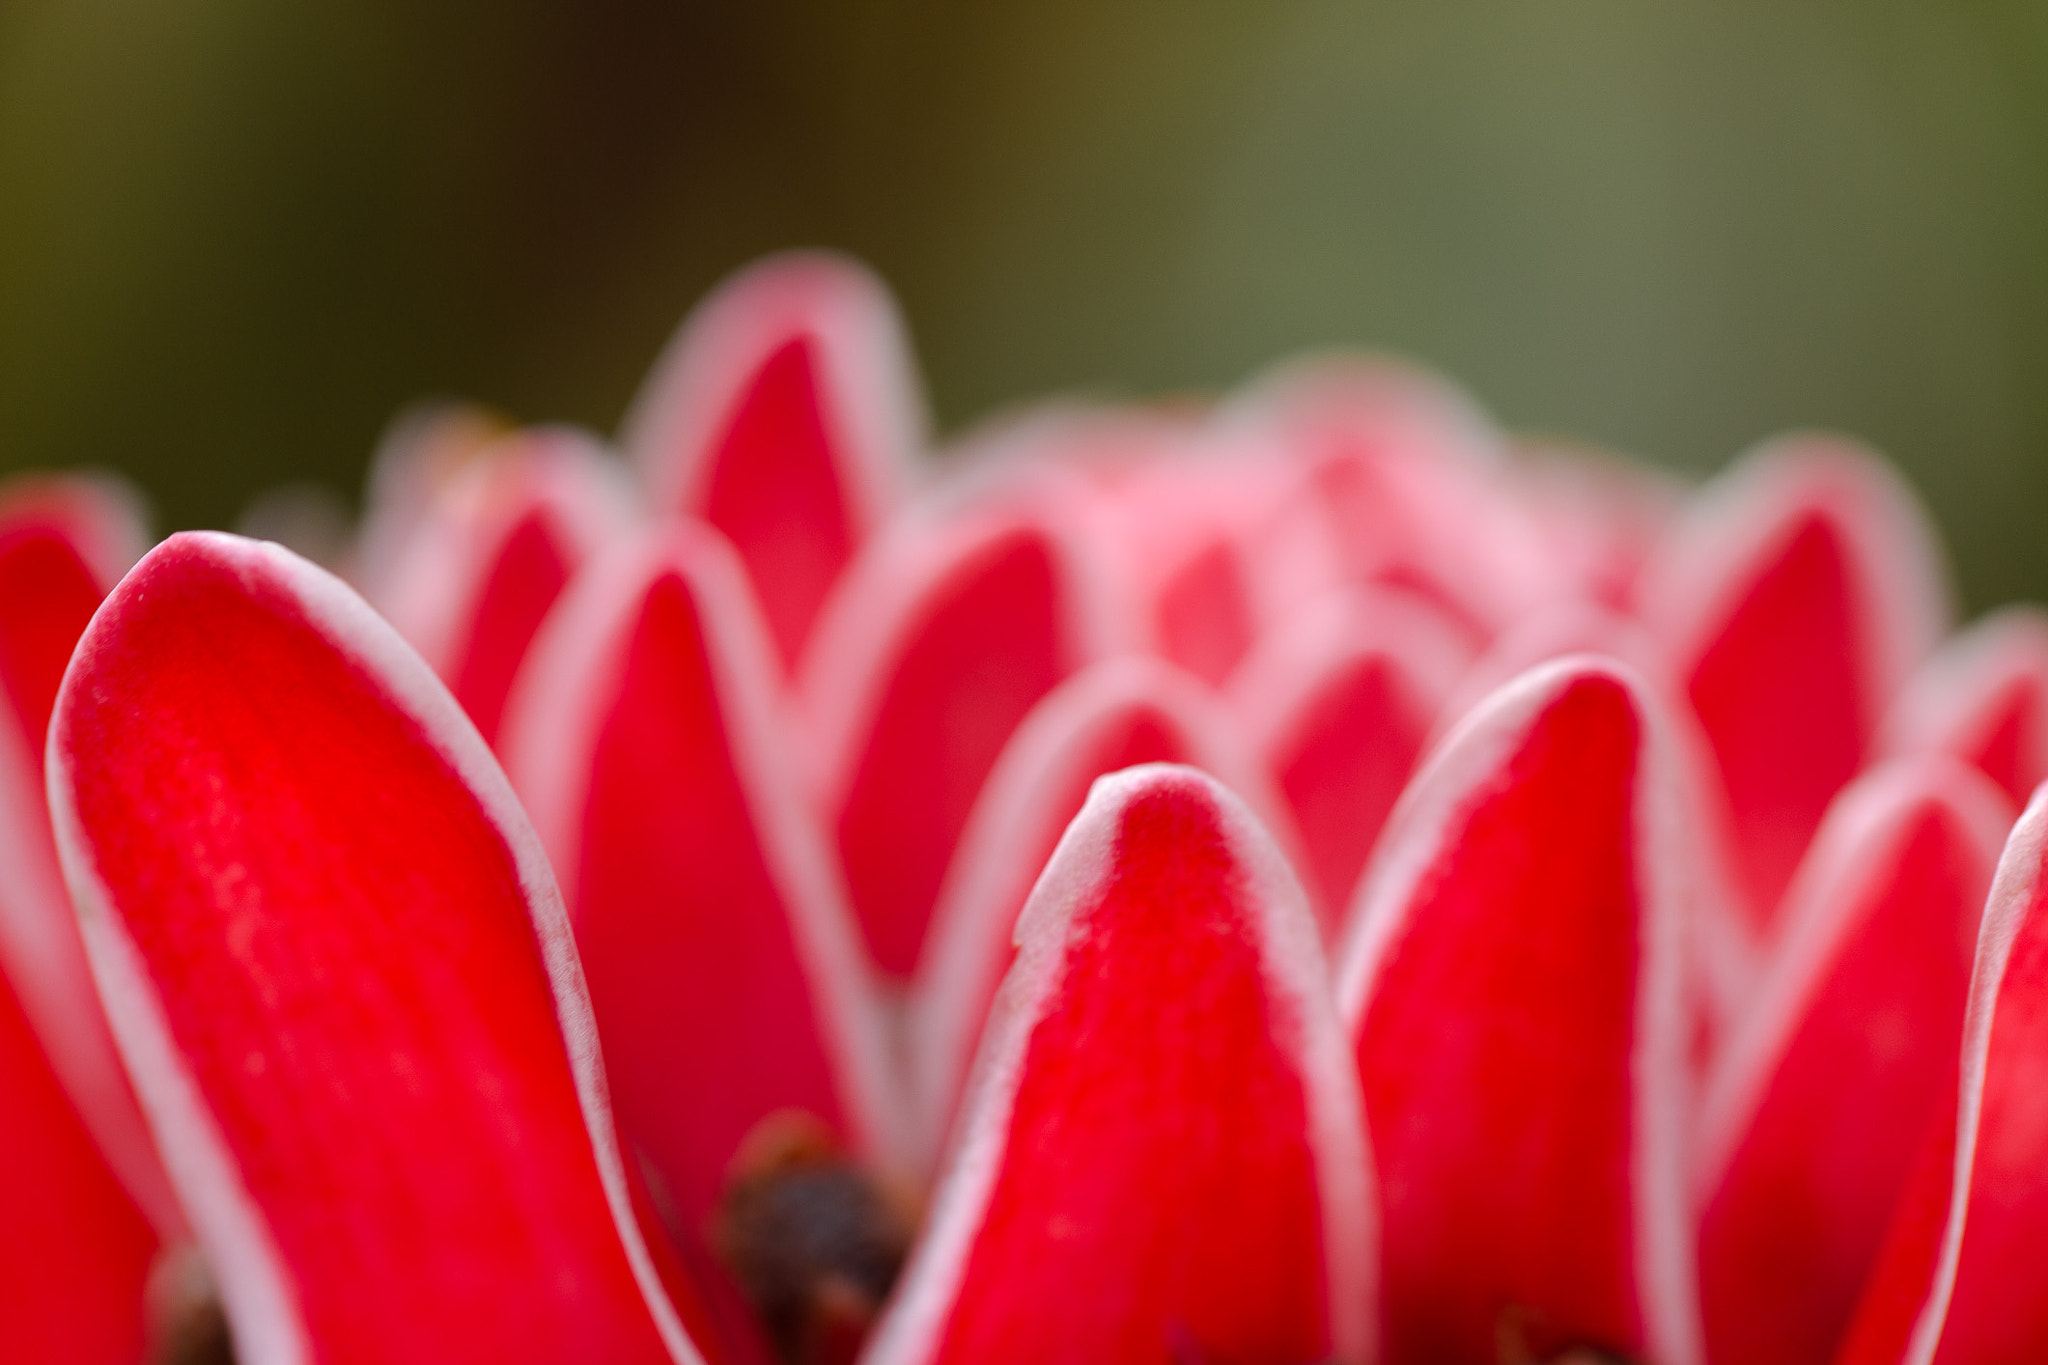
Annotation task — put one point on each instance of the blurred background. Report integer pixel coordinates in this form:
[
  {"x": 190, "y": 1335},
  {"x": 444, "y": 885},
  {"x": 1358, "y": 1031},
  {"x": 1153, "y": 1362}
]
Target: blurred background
[{"x": 237, "y": 235}]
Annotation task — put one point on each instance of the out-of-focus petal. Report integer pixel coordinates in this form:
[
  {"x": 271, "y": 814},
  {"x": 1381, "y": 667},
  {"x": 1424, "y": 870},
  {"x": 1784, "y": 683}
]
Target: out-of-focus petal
[
  {"x": 1796, "y": 595},
  {"x": 1515, "y": 982},
  {"x": 338, "y": 969},
  {"x": 63, "y": 544},
  {"x": 647, "y": 742},
  {"x": 74, "y": 1250},
  {"x": 934, "y": 647},
  {"x": 1600, "y": 515},
  {"x": 488, "y": 554},
  {"x": 786, "y": 413},
  {"x": 1338, "y": 705},
  {"x": 1812, "y": 1120},
  {"x": 1983, "y": 697},
  {"x": 1113, "y": 715},
  {"x": 1406, "y": 481},
  {"x": 1962, "y": 1280},
  {"x": 1161, "y": 1155}
]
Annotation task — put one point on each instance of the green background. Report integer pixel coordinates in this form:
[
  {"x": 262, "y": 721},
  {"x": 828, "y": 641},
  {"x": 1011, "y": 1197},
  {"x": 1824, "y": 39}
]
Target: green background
[{"x": 236, "y": 235}]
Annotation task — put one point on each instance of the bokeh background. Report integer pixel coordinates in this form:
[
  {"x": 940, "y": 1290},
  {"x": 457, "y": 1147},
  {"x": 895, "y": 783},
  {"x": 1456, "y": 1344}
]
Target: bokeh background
[{"x": 237, "y": 235}]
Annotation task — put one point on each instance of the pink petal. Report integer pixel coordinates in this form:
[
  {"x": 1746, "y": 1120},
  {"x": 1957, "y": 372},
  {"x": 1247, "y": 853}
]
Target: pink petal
[
  {"x": 1162, "y": 1155},
  {"x": 1515, "y": 982},
  {"x": 1409, "y": 482},
  {"x": 75, "y": 1255},
  {"x": 490, "y": 552},
  {"x": 63, "y": 543},
  {"x": 1338, "y": 706},
  {"x": 338, "y": 968},
  {"x": 1963, "y": 1278},
  {"x": 1984, "y": 698},
  {"x": 786, "y": 413},
  {"x": 1600, "y": 515},
  {"x": 1810, "y": 1126},
  {"x": 647, "y": 741},
  {"x": 1113, "y": 715},
  {"x": 933, "y": 650},
  {"x": 1795, "y": 595}
]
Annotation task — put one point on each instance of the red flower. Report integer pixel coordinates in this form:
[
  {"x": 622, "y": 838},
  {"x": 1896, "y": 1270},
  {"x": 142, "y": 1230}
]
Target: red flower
[{"x": 1297, "y": 880}]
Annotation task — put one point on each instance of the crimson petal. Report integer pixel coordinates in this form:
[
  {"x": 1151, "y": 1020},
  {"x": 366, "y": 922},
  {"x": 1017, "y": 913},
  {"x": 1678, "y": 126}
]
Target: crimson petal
[
  {"x": 75, "y": 1255},
  {"x": 63, "y": 543},
  {"x": 1810, "y": 1125},
  {"x": 470, "y": 578},
  {"x": 1339, "y": 706},
  {"x": 1984, "y": 698},
  {"x": 337, "y": 966},
  {"x": 1515, "y": 981},
  {"x": 786, "y": 413},
  {"x": 1162, "y": 1155},
  {"x": 647, "y": 743},
  {"x": 934, "y": 648},
  {"x": 1796, "y": 596},
  {"x": 1962, "y": 1280},
  {"x": 1113, "y": 715}
]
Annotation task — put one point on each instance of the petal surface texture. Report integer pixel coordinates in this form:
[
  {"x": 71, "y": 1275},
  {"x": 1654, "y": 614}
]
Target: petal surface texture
[
  {"x": 1514, "y": 983},
  {"x": 1844, "y": 1058},
  {"x": 1971, "y": 1287},
  {"x": 339, "y": 970},
  {"x": 1797, "y": 595},
  {"x": 1161, "y": 1157},
  {"x": 721, "y": 955},
  {"x": 786, "y": 415}
]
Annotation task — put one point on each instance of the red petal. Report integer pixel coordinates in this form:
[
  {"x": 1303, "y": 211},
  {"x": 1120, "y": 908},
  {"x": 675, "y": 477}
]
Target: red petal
[
  {"x": 936, "y": 646},
  {"x": 723, "y": 964},
  {"x": 1162, "y": 1156},
  {"x": 339, "y": 971},
  {"x": 490, "y": 552},
  {"x": 1810, "y": 1125},
  {"x": 1983, "y": 1281},
  {"x": 1515, "y": 984},
  {"x": 1338, "y": 706},
  {"x": 1796, "y": 596},
  {"x": 75, "y": 1255},
  {"x": 1114, "y": 715},
  {"x": 787, "y": 415},
  {"x": 63, "y": 543},
  {"x": 1984, "y": 698}
]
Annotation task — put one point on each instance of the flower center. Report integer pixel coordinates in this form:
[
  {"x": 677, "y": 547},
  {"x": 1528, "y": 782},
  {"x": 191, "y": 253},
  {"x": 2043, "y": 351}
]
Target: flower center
[
  {"x": 186, "y": 1324},
  {"x": 1521, "y": 1337},
  {"x": 814, "y": 1239}
]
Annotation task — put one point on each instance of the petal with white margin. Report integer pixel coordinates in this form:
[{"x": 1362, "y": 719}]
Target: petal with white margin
[
  {"x": 1161, "y": 1155},
  {"x": 340, "y": 973}
]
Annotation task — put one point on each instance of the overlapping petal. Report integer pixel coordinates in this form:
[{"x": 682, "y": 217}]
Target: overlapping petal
[
  {"x": 1161, "y": 1156},
  {"x": 339, "y": 971}
]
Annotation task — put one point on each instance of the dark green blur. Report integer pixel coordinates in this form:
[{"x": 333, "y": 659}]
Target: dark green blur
[{"x": 235, "y": 235}]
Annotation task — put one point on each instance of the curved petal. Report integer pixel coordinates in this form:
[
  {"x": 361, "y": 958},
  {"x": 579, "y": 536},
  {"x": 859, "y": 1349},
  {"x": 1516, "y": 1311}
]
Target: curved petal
[
  {"x": 932, "y": 651},
  {"x": 647, "y": 742},
  {"x": 493, "y": 546},
  {"x": 338, "y": 969},
  {"x": 1339, "y": 705},
  {"x": 75, "y": 1257},
  {"x": 1515, "y": 983},
  {"x": 63, "y": 544},
  {"x": 1984, "y": 698},
  {"x": 1810, "y": 1124},
  {"x": 1962, "y": 1280},
  {"x": 1796, "y": 595},
  {"x": 786, "y": 413},
  {"x": 1112, "y": 715},
  {"x": 1162, "y": 1155}
]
